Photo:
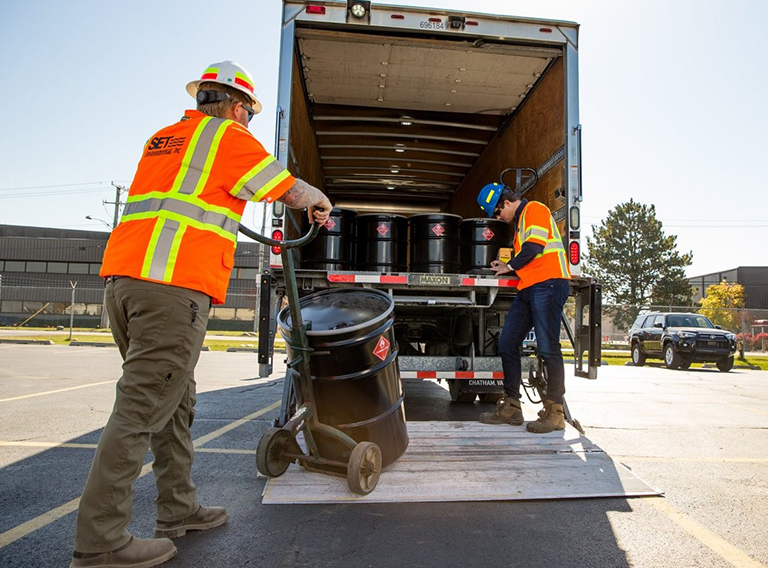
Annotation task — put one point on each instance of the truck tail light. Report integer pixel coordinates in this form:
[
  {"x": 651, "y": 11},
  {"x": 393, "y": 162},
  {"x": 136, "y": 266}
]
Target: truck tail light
[
  {"x": 315, "y": 9},
  {"x": 574, "y": 252},
  {"x": 277, "y": 235}
]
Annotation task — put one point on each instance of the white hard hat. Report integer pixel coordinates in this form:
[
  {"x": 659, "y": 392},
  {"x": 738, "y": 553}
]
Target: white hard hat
[{"x": 228, "y": 73}]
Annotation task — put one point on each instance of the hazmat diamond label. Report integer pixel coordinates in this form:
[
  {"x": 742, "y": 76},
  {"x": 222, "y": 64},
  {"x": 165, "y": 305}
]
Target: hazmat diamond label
[
  {"x": 382, "y": 348},
  {"x": 330, "y": 223},
  {"x": 382, "y": 229},
  {"x": 438, "y": 229},
  {"x": 488, "y": 234}
]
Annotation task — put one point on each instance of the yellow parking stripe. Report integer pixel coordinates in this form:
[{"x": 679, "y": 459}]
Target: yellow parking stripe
[
  {"x": 725, "y": 550},
  {"x": 39, "y": 522},
  {"x": 57, "y": 391}
]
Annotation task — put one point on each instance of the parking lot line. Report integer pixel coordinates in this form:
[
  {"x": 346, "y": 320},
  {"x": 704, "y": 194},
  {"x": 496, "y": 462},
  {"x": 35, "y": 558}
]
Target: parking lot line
[
  {"x": 724, "y": 549},
  {"x": 57, "y": 391},
  {"x": 49, "y": 517}
]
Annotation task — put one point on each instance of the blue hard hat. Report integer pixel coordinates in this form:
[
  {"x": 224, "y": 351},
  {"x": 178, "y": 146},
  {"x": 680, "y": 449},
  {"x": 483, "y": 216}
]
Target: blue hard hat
[{"x": 489, "y": 197}]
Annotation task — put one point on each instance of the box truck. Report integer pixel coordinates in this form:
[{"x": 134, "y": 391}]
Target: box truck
[{"x": 400, "y": 115}]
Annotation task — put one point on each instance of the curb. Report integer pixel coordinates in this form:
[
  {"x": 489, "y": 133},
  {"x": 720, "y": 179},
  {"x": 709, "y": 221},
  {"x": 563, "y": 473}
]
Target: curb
[
  {"x": 28, "y": 341},
  {"x": 90, "y": 344}
]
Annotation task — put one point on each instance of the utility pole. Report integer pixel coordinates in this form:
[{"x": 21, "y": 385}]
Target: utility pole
[{"x": 118, "y": 190}]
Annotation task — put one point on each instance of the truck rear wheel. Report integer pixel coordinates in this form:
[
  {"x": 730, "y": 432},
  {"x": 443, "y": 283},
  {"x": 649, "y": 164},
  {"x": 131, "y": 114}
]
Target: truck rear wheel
[
  {"x": 490, "y": 397},
  {"x": 457, "y": 394}
]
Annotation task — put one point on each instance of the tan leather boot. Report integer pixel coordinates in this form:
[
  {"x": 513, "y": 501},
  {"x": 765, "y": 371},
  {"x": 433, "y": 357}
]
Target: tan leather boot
[
  {"x": 507, "y": 411},
  {"x": 136, "y": 553},
  {"x": 553, "y": 419},
  {"x": 202, "y": 519}
]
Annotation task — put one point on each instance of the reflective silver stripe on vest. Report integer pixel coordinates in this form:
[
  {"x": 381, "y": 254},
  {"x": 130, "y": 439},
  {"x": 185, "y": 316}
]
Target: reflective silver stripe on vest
[
  {"x": 163, "y": 250},
  {"x": 185, "y": 209},
  {"x": 258, "y": 181},
  {"x": 199, "y": 157}
]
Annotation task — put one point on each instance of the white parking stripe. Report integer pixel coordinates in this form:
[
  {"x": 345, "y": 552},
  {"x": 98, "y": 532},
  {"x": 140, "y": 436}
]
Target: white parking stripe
[{"x": 14, "y": 534}]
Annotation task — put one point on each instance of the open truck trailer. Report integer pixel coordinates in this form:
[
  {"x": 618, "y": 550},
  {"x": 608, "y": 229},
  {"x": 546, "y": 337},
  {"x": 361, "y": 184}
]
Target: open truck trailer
[{"x": 409, "y": 110}]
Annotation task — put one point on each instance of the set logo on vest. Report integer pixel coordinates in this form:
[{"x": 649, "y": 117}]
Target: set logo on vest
[{"x": 162, "y": 145}]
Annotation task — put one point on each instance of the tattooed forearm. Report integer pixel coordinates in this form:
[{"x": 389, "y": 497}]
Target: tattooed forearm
[{"x": 302, "y": 195}]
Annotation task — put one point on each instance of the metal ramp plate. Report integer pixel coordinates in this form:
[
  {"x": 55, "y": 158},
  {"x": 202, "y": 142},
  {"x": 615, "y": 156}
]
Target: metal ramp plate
[{"x": 469, "y": 461}]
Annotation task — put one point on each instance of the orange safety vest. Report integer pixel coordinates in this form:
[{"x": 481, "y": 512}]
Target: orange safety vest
[
  {"x": 180, "y": 222},
  {"x": 536, "y": 225}
]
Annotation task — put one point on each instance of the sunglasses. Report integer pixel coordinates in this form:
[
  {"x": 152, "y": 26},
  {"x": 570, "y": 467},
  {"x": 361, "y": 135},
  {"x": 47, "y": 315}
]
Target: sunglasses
[
  {"x": 497, "y": 211},
  {"x": 250, "y": 112}
]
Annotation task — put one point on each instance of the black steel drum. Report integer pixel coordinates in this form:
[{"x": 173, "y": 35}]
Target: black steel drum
[
  {"x": 355, "y": 377},
  {"x": 435, "y": 243},
  {"x": 333, "y": 247},
  {"x": 382, "y": 243},
  {"x": 480, "y": 243}
]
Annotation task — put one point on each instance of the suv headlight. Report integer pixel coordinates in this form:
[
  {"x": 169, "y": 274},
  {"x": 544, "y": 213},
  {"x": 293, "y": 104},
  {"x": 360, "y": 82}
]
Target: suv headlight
[
  {"x": 686, "y": 334},
  {"x": 730, "y": 336}
]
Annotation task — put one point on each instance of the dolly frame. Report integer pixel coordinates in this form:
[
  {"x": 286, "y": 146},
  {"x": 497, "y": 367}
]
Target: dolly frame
[{"x": 278, "y": 447}]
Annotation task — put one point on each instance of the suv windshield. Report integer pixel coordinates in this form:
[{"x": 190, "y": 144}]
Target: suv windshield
[{"x": 689, "y": 320}]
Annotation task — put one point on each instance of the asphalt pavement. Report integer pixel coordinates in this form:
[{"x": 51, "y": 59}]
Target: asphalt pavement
[{"x": 698, "y": 435}]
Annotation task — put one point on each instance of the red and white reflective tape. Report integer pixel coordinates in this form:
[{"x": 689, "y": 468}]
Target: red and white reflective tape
[
  {"x": 498, "y": 375},
  {"x": 393, "y": 279},
  {"x": 493, "y": 282},
  {"x": 367, "y": 278}
]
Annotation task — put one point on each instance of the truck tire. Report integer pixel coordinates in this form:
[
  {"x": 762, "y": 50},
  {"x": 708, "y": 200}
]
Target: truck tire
[
  {"x": 725, "y": 365},
  {"x": 638, "y": 357},
  {"x": 671, "y": 359},
  {"x": 685, "y": 364},
  {"x": 457, "y": 395},
  {"x": 490, "y": 397}
]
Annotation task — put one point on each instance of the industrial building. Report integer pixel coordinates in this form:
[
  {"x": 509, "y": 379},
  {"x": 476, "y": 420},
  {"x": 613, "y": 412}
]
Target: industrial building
[
  {"x": 39, "y": 267},
  {"x": 753, "y": 278}
]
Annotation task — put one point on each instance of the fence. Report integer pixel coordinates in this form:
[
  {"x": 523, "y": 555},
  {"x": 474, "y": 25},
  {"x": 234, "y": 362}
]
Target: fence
[{"x": 81, "y": 303}]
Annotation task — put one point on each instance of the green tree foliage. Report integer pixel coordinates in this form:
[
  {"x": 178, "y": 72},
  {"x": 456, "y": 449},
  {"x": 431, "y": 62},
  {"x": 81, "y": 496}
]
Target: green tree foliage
[
  {"x": 719, "y": 303},
  {"x": 636, "y": 262}
]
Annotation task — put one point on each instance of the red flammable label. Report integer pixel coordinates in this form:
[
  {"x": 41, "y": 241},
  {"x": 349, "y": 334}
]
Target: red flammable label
[
  {"x": 382, "y": 348},
  {"x": 382, "y": 229},
  {"x": 438, "y": 229},
  {"x": 488, "y": 234},
  {"x": 330, "y": 223}
]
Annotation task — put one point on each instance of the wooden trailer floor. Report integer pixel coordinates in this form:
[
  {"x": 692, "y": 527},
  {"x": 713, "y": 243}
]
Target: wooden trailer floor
[{"x": 469, "y": 461}]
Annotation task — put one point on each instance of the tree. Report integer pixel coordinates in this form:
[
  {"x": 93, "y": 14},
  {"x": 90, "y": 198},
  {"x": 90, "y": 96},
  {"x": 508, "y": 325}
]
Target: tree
[
  {"x": 720, "y": 303},
  {"x": 636, "y": 262}
]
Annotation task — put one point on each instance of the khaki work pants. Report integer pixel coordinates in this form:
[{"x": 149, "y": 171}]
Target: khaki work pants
[{"x": 159, "y": 330}]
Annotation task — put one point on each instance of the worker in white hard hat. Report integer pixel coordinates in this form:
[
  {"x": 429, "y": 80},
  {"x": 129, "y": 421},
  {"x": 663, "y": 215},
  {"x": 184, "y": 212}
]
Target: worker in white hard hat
[{"x": 166, "y": 263}]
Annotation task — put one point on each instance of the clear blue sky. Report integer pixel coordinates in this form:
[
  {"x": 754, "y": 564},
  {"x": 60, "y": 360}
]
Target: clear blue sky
[{"x": 673, "y": 104}]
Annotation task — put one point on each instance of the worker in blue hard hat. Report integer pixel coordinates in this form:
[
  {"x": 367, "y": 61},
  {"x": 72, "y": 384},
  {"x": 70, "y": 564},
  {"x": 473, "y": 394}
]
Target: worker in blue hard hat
[{"x": 540, "y": 263}]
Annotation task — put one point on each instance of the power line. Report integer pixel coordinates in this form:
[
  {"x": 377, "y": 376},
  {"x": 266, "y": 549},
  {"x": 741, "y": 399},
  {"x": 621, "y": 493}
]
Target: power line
[
  {"x": 55, "y": 193},
  {"x": 58, "y": 185}
]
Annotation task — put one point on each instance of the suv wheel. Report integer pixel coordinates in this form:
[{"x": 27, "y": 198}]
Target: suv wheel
[
  {"x": 725, "y": 365},
  {"x": 638, "y": 357},
  {"x": 685, "y": 364},
  {"x": 671, "y": 358}
]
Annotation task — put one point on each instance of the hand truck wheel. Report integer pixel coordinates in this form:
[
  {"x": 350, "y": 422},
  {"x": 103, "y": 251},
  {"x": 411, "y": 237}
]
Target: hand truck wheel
[
  {"x": 272, "y": 444},
  {"x": 364, "y": 468}
]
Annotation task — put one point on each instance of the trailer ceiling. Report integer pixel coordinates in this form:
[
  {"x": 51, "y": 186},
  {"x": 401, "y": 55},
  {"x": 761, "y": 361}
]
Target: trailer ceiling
[{"x": 408, "y": 114}]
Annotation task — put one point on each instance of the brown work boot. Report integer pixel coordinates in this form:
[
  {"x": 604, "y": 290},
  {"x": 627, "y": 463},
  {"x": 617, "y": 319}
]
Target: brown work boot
[
  {"x": 553, "y": 419},
  {"x": 203, "y": 519},
  {"x": 507, "y": 411},
  {"x": 545, "y": 409},
  {"x": 136, "y": 553}
]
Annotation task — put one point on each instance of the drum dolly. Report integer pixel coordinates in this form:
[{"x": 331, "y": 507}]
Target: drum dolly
[{"x": 278, "y": 447}]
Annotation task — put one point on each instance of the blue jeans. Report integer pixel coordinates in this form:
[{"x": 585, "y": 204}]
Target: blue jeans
[{"x": 539, "y": 306}]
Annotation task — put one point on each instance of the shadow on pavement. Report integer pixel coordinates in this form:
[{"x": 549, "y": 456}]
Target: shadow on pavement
[{"x": 573, "y": 532}]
